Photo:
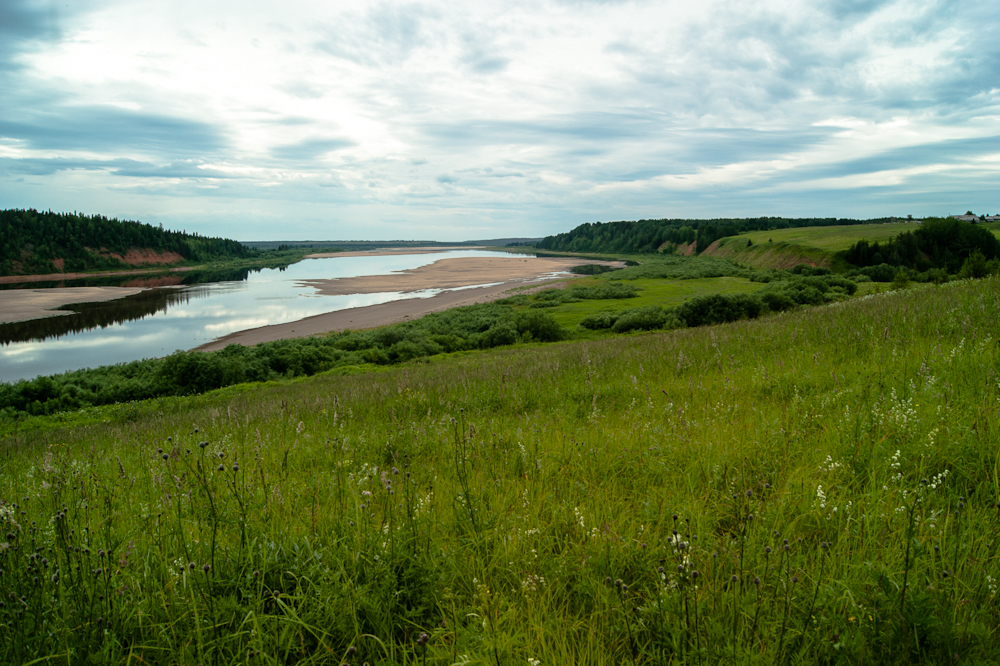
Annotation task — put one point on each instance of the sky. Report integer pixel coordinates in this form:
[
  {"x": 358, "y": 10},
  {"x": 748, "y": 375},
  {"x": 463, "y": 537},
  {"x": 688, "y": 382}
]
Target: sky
[{"x": 319, "y": 119}]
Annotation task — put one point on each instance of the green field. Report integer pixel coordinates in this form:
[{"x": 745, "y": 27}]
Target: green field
[
  {"x": 831, "y": 239},
  {"x": 784, "y": 248},
  {"x": 665, "y": 293},
  {"x": 819, "y": 486}
]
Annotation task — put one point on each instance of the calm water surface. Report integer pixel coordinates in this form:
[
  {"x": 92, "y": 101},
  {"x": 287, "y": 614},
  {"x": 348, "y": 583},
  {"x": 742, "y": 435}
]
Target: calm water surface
[{"x": 159, "y": 321}]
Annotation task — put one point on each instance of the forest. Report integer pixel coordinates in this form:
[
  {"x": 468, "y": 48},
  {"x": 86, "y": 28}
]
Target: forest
[
  {"x": 943, "y": 244},
  {"x": 35, "y": 242},
  {"x": 647, "y": 236}
]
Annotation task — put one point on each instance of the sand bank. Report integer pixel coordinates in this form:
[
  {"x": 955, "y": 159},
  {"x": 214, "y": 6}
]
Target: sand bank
[
  {"x": 25, "y": 304},
  {"x": 531, "y": 272},
  {"x": 59, "y": 277},
  {"x": 390, "y": 251},
  {"x": 448, "y": 274}
]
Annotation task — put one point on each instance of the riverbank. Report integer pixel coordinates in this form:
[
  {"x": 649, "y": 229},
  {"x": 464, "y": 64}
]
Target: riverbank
[
  {"x": 497, "y": 275},
  {"x": 27, "y": 304}
]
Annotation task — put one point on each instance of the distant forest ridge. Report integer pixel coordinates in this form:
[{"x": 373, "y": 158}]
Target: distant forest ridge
[
  {"x": 646, "y": 236},
  {"x": 35, "y": 243}
]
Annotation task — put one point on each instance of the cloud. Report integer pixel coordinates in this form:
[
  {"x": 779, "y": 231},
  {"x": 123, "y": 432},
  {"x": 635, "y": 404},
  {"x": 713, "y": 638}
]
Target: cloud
[
  {"x": 310, "y": 149},
  {"x": 384, "y": 34},
  {"x": 391, "y": 118},
  {"x": 23, "y": 23},
  {"x": 110, "y": 129}
]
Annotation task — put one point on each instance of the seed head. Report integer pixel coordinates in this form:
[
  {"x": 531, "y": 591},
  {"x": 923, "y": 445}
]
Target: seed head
[{"x": 422, "y": 639}]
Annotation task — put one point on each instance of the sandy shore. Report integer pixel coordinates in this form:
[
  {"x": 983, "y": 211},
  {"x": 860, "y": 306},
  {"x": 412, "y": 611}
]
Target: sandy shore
[
  {"x": 383, "y": 252},
  {"x": 58, "y": 277},
  {"x": 25, "y": 304},
  {"x": 510, "y": 273},
  {"x": 447, "y": 274}
]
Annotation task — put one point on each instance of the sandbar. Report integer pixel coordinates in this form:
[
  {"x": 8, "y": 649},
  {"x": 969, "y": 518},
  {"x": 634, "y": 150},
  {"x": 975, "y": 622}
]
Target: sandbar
[
  {"x": 58, "y": 277},
  {"x": 391, "y": 251},
  {"x": 26, "y": 304},
  {"x": 448, "y": 274},
  {"x": 372, "y": 316}
]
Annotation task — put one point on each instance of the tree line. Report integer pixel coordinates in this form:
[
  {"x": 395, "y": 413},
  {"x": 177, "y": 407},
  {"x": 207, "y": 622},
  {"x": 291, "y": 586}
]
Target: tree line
[
  {"x": 647, "y": 236},
  {"x": 942, "y": 244},
  {"x": 32, "y": 241}
]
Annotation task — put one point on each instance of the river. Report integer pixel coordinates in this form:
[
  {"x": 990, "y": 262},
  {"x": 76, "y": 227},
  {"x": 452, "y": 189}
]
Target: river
[{"x": 159, "y": 321}]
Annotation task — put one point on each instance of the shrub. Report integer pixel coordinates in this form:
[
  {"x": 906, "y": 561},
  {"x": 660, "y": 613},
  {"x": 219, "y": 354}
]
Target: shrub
[
  {"x": 648, "y": 318},
  {"x": 539, "y": 326},
  {"x": 719, "y": 308},
  {"x": 599, "y": 320}
]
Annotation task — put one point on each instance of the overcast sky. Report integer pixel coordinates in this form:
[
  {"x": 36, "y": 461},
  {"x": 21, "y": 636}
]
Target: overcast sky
[{"x": 308, "y": 119}]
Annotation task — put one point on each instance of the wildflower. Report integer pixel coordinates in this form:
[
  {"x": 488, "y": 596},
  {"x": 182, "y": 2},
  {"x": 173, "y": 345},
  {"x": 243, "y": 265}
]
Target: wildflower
[
  {"x": 422, "y": 639},
  {"x": 206, "y": 568}
]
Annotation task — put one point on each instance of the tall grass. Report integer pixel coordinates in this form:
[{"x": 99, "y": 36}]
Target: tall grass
[{"x": 813, "y": 487}]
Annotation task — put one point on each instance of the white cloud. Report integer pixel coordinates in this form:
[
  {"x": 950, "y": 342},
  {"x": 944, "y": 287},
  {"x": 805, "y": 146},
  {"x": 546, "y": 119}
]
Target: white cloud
[{"x": 515, "y": 118}]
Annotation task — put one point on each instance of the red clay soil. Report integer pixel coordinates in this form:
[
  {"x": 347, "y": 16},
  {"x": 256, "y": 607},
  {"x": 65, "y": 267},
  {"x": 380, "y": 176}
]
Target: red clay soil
[{"x": 141, "y": 257}]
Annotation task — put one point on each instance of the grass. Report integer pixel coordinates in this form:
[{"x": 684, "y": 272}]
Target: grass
[
  {"x": 666, "y": 293},
  {"x": 831, "y": 239},
  {"x": 814, "y": 487},
  {"x": 784, "y": 248}
]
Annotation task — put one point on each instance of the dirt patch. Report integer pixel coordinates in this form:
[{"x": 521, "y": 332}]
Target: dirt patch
[{"x": 59, "y": 264}]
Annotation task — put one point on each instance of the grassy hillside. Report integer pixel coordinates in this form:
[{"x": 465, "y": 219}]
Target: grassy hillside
[
  {"x": 814, "y": 487},
  {"x": 784, "y": 248}
]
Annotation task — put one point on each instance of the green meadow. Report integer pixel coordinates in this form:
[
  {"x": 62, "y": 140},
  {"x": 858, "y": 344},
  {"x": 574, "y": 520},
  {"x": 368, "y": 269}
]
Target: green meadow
[
  {"x": 652, "y": 292},
  {"x": 784, "y": 248},
  {"x": 831, "y": 239},
  {"x": 819, "y": 486}
]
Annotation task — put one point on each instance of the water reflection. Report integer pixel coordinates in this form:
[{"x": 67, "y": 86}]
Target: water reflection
[
  {"x": 87, "y": 316},
  {"x": 190, "y": 313}
]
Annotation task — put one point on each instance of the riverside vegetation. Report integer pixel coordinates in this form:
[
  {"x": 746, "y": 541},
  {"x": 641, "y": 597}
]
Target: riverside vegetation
[
  {"x": 723, "y": 292},
  {"x": 814, "y": 487}
]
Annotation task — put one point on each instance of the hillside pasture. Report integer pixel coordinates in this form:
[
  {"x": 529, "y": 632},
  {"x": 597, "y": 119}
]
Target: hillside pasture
[{"x": 814, "y": 487}]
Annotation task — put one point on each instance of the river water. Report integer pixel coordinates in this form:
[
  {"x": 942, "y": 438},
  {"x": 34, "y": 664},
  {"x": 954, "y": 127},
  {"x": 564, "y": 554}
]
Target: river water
[{"x": 159, "y": 321}]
